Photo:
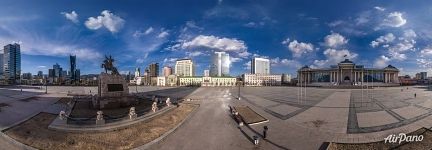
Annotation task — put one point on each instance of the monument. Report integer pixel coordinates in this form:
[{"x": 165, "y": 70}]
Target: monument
[{"x": 113, "y": 89}]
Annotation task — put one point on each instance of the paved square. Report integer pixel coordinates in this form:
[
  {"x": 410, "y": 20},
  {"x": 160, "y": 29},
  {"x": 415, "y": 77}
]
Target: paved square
[
  {"x": 260, "y": 101},
  {"x": 410, "y": 112},
  {"x": 284, "y": 109},
  {"x": 370, "y": 119},
  {"x": 427, "y": 103}
]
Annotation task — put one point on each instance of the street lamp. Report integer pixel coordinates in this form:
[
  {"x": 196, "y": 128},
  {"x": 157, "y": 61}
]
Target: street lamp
[{"x": 239, "y": 84}]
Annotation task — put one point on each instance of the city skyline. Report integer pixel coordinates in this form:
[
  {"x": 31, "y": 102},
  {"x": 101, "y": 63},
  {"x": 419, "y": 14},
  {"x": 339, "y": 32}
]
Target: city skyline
[{"x": 375, "y": 33}]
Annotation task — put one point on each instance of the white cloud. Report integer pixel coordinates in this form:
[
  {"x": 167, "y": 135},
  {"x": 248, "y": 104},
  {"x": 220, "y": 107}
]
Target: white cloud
[
  {"x": 285, "y": 62},
  {"x": 72, "y": 16},
  {"x": 163, "y": 34},
  {"x": 335, "y": 40},
  {"x": 424, "y": 63},
  {"x": 139, "y": 33},
  {"x": 381, "y": 62},
  {"x": 426, "y": 51},
  {"x": 41, "y": 66},
  {"x": 388, "y": 38},
  {"x": 214, "y": 42},
  {"x": 235, "y": 59},
  {"x": 379, "y": 8},
  {"x": 298, "y": 48},
  {"x": 107, "y": 19},
  {"x": 394, "y": 19},
  {"x": 149, "y": 30},
  {"x": 334, "y": 56},
  {"x": 194, "y": 54},
  {"x": 247, "y": 65}
]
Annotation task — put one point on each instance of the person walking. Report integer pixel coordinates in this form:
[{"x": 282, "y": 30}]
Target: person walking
[
  {"x": 265, "y": 132},
  {"x": 415, "y": 95}
]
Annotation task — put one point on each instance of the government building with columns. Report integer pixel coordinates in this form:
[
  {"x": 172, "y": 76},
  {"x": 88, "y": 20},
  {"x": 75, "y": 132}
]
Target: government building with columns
[{"x": 348, "y": 73}]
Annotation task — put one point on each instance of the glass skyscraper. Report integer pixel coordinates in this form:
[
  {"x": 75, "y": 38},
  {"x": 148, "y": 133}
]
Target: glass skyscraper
[
  {"x": 220, "y": 64},
  {"x": 12, "y": 63},
  {"x": 72, "y": 62},
  {"x": 260, "y": 66}
]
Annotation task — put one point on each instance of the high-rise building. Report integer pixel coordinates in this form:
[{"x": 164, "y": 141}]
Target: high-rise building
[
  {"x": 423, "y": 75},
  {"x": 27, "y": 76},
  {"x": 220, "y": 64},
  {"x": 260, "y": 66},
  {"x": 184, "y": 67},
  {"x": 167, "y": 71},
  {"x": 206, "y": 73},
  {"x": 40, "y": 74},
  {"x": 154, "y": 69},
  {"x": 72, "y": 71},
  {"x": 1, "y": 65},
  {"x": 12, "y": 63},
  {"x": 78, "y": 75},
  {"x": 137, "y": 72}
]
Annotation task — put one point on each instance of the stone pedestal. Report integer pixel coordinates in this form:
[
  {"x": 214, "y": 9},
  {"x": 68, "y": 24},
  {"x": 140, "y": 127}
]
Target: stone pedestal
[{"x": 113, "y": 92}]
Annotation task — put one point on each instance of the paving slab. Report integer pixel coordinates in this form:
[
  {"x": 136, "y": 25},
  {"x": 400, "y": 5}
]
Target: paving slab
[
  {"x": 331, "y": 114},
  {"x": 370, "y": 119},
  {"x": 410, "y": 111},
  {"x": 260, "y": 101},
  {"x": 284, "y": 109}
]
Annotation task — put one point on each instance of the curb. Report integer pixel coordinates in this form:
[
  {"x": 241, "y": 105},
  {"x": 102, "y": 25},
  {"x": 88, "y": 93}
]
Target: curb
[
  {"x": 15, "y": 143},
  {"x": 147, "y": 145}
]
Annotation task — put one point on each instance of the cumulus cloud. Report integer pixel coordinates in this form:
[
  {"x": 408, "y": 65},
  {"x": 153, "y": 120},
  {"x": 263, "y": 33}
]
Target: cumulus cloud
[
  {"x": 394, "y": 19},
  {"x": 381, "y": 62},
  {"x": 298, "y": 48},
  {"x": 107, "y": 19},
  {"x": 334, "y": 40},
  {"x": 72, "y": 16},
  {"x": 334, "y": 56},
  {"x": 214, "y": 43},
  {"x": 235, "y": 59},
  {"x": 388, "y": 38}
]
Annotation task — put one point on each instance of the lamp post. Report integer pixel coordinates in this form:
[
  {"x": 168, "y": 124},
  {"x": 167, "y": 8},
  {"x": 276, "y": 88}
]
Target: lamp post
[{"x": 239, "y": 84}]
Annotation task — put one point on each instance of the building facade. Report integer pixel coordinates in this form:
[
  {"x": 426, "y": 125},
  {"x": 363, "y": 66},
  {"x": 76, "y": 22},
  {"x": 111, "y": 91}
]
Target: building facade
[
  {"x": 185, "y": 68},
  {"x": 167, "y": 71},
  {"x": 348, "y": 73},
  {"x": 72, "y": 63},
  {"x": 154, "y": 69},
  {"x": 207, "y": 81},
  {"x": 12, "y": 63},
  {"x": 161, "y": 81},
  {"x": 261, "y": 80},
  {"x": 260, "y": 66},
  {"x": 220, "y": 64}
]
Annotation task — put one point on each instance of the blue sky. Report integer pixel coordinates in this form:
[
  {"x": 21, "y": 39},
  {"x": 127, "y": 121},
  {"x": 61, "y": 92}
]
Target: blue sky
[{"x": 374, "y": 33}]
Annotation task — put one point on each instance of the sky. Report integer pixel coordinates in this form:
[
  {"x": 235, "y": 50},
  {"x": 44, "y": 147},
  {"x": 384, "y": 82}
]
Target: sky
[{"x": 291, "y": 33}]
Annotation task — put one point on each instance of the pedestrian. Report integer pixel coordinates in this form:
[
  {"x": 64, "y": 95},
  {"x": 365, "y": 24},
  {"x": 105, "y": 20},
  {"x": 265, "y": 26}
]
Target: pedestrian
[
  {"x": 415, "y": 95},
  {"x": 265, "y": 132},
  {"x": 256, "y": 141}
]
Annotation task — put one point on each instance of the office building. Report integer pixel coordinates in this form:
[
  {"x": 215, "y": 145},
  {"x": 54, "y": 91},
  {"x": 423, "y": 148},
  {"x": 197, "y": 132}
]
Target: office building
[
  {"x": 12, "y": 63},
  {"x": 220, "y": 64},
  {"x": 167, "y": 71},
  {"x": 1, "y": 66},
  {"x": 184, "y": 67},
  {"x": 72, "y": 71},
  {"x": 261, "y": 80},
  {"x": 423, "y": 75},
  {"x": 260, "y": 66},
  {"x": 154, "y": 70},
  {"x": 206, "y": 73}
]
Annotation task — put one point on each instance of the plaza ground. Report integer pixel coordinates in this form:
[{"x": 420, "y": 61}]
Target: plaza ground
[{"x": 298, "y": 118}]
